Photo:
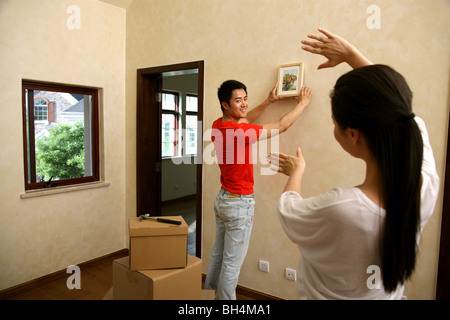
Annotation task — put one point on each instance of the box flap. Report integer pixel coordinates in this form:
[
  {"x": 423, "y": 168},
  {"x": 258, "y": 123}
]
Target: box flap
[{"x": 150, "y": 227}]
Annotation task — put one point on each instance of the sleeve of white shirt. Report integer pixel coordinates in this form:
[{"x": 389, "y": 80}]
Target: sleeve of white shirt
[
  {"x": 430, "y": 178},
  {"x": 302, "y": 220}
]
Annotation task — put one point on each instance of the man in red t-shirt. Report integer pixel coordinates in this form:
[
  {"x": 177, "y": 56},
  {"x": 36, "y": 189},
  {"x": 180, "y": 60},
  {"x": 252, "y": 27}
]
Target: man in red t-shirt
[{"x": 233, "y": 135}]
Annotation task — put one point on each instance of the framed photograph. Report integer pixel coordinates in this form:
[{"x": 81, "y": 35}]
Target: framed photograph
[{"x": 290, "y": 79}]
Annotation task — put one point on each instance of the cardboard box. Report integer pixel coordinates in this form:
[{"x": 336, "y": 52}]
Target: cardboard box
[
  {"x": 156, "y": 245},
  {"x": 168, "y": 284},
  {"x": 208, "y": 294}
]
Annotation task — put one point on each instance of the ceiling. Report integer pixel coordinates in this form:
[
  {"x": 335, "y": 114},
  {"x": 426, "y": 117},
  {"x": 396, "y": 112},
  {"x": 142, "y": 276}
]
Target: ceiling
[{"x": 119, "y": 3}]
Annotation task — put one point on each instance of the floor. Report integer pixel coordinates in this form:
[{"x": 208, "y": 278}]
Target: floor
[
  {"x": 185, "y": 207},
  {"x": 96, "y": 281}
]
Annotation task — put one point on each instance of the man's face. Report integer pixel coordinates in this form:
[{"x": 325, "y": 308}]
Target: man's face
[{"x": 237, "y": 107}]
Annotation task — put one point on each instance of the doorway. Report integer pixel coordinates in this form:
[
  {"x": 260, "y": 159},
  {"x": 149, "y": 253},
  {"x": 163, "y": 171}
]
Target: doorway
[{"x": 169, "y": 144}]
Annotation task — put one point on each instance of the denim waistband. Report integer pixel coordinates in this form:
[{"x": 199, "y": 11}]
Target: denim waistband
[{"x": 233, "y": 195}]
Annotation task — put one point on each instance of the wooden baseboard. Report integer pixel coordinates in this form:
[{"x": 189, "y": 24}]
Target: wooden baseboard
[
  {"x": 250, "y": 293},
  {"x": 254, "y": 294},
  {"x": 20, "y": 288}
]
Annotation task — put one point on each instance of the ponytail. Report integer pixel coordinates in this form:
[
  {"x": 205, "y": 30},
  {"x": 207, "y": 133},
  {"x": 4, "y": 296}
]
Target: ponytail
[{"x": 399, "y": 155}]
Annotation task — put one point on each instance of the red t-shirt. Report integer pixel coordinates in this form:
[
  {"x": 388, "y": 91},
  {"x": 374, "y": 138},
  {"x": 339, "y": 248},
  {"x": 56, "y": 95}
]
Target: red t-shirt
[{"x": 233, "y": 145}]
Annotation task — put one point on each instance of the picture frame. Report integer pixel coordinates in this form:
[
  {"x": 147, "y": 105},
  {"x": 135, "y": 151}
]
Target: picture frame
[{"x": 290, "y": 79}]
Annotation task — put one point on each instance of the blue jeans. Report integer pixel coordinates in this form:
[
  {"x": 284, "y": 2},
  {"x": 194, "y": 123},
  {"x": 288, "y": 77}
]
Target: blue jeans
[{"x": 234, "y": 221}]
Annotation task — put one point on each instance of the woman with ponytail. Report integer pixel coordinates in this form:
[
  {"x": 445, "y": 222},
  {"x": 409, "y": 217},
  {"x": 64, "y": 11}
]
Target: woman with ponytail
[{"x": 347, "y": 235}]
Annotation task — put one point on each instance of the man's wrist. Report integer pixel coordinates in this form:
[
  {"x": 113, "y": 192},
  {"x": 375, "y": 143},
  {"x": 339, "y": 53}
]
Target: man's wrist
[{"x": 269, "y": 101}]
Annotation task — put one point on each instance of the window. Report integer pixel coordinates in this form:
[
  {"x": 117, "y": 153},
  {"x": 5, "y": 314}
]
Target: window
[
  {"x": 61, "y": 135},
  {"x": 40, "y": 110},
  {"x": 191, "y": 124},
  {"x": 170, "y": 120},
  {"x": 179, "y": 125}
]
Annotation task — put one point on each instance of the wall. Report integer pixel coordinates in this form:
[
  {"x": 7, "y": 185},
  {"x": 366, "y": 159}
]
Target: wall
[
  {"x": 241, "y": 39},
  {"x": 247, "y": 40},
  {"x": 42, "y": 235}
]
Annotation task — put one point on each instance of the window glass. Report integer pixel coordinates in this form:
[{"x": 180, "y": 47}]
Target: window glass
[
  {"x": 169, "y": 101},
  {"x": 168, "y": 135},
  {"x": 191, "y": 134},
  {"x": 191, "y": 103},
  {"x": 40, "y": 109},
  {"x": 61, "y": 128}
]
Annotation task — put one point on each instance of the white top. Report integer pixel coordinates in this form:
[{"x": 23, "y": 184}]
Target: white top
[{"x": 338, "y": 237}]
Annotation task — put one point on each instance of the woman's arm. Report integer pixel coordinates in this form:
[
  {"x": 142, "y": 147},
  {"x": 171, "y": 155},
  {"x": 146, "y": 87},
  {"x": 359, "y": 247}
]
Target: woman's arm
[
  {"x": 292, "y": 166},
  {"x": 335, "y": 49}
]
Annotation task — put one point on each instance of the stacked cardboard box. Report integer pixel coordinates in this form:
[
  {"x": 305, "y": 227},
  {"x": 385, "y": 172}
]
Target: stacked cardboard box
[
  {"x": 155, "y": 245},
  {"x": 158, "y": 267}
]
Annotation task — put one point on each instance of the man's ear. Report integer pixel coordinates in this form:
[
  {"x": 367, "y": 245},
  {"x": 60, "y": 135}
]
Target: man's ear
[{"x": 225, "y": 105}]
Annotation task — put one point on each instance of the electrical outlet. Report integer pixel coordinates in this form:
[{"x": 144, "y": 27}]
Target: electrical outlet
[
  {"x": 291, "y": 274},
  {"x": 263, "y": 266}
]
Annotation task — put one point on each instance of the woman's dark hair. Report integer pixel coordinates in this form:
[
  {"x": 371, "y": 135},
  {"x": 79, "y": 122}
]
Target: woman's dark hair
[
  {"x": 226, "y": 89},
  {"x": 377, "y": 101}
]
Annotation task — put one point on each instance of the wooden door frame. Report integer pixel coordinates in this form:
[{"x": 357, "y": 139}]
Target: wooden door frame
[
  {"x": 148, "y": 177},
  {"x": 147, "y": 78},
  {"x": 443, "y": 276}
]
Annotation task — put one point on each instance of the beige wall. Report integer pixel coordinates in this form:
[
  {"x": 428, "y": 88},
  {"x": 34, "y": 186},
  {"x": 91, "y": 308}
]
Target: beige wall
[
  {"x": 247, "y": 40},
  {"x": 42, "y": 235}
]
